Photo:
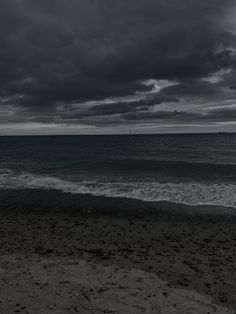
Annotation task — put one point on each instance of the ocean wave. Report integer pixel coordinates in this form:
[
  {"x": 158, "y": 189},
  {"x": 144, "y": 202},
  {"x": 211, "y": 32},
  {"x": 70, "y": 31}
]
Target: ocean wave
[
  {"x": 190, "y": 193},
  {"x": 205, "y": 171}
]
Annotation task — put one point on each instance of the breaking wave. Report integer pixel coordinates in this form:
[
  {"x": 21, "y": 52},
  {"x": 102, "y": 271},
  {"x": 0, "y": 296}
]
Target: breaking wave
[{"x": 190, "y": 193}]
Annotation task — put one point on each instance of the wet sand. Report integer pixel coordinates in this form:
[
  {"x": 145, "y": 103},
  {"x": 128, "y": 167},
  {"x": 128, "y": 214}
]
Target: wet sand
[{"x": 63, "y": 257}]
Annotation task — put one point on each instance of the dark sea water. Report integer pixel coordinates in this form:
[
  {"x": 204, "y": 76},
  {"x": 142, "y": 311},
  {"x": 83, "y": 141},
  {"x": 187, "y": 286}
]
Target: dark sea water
[{"x": 190, "y": 169}]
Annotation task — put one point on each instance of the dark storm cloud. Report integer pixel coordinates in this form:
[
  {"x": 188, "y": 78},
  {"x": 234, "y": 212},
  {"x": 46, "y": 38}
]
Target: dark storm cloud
[
  {"x": 181, "y": 116},
  {"x": 124, "y": 107},
  {"x": 54, "y": 54},
  {"x": 191, "y": 88}
]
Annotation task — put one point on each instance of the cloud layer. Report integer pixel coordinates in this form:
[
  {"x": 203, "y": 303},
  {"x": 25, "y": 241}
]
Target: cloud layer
[{"x": 104, "y": 63}]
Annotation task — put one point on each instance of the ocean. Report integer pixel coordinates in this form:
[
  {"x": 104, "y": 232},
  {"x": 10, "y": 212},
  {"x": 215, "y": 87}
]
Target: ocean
[{"x": 193, "y": 169}]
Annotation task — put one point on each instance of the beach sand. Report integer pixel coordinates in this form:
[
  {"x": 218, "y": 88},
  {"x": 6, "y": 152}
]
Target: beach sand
[{"x": 58, "y": 256}]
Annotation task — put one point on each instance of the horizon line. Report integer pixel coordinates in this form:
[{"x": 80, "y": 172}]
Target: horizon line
[{"x": 120, "y": 134}]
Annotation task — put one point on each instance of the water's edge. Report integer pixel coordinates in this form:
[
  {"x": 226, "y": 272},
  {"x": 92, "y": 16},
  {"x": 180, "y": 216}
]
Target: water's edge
[
  {"x": 189, "y": 193},
  {"x": 38, "y": 201}
]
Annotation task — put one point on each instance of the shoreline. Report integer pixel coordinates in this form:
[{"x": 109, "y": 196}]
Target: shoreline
[{"x": 40, "y": 201}]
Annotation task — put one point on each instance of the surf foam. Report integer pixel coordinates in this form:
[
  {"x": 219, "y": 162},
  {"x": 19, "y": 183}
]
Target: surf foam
[{"x": 187, "y": 193}]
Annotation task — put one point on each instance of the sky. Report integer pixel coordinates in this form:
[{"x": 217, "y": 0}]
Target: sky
[{"x": 110, "y": 67}]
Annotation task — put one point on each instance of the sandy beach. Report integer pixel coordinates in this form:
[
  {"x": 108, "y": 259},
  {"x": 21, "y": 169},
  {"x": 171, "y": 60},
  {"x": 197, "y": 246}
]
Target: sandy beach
[{"x": 63, "y": 257}]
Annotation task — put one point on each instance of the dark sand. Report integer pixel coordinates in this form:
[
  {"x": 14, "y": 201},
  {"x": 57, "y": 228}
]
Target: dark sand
[{"x": 72, "y": 254}]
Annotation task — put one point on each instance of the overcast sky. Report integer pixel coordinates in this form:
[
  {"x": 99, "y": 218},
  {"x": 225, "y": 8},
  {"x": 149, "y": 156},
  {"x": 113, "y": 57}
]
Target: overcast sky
[{"x": 122, "y": 66}]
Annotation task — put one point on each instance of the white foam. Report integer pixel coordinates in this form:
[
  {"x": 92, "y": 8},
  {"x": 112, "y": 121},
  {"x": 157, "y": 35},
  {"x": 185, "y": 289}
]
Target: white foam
[{"x": 188, "y": 193}]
